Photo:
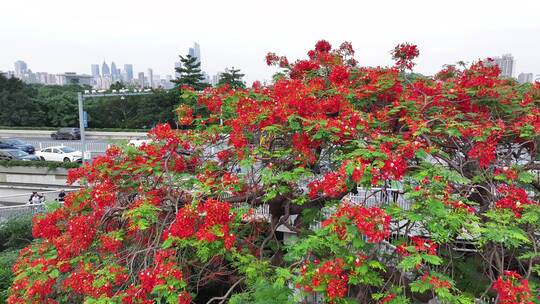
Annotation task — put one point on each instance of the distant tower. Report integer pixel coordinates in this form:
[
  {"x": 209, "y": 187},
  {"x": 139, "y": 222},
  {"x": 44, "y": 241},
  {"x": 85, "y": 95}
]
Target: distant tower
[
  {"x": 151, "y": 78},
  {"x": 114, "y": 71},
  {"x": 195, "y": 51},
  {"x": 525, "y": 78},
  {"x": 141, "y": 80},
  {"x": 128, "y": 69},
  {"x": 105, "y": 71},
  {"x": 506, "y": 64},
  {"x": 95, "y": 70},
  {"x": 177, "y": 64},
  {"x": 20, "y": 68}
]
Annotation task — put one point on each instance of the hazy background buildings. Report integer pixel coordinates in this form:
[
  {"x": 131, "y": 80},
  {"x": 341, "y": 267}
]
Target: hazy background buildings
[{"x": 104, "y": 75}]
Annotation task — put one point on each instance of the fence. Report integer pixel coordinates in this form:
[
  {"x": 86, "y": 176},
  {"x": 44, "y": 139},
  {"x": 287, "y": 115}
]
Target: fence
[
  {"x": 9, "y": 212},
  {"x": 94, "y": 147}
]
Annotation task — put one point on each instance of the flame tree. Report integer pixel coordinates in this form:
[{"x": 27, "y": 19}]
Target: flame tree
[{"x": 177, "y": 220}]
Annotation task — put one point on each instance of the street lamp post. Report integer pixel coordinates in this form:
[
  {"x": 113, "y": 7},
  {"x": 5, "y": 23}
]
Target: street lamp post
[{"x": 94, "y": 94}]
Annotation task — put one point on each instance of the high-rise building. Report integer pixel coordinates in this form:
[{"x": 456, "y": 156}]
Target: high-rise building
[
  {"x": 506, "y": 64},
  {"x": 177, "y": 65},
  {"x": 105, "y": 71},
  {"x": 20, "y": 68},
  {"x": 525, "y": 77},
  {"x": 114, "y": 71},
  {"x": 42, "y": 77},
  {"x": 128, "y": 69},
  {"x": 195, "y": 51},
  {"x": 95, "y": 70},
  {"x": 141, "y": 80},
  {"x": 151, "y": 78},
  {"x": 51, "y": 79}
]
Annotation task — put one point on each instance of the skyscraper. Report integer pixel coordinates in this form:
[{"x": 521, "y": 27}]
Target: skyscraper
[
  {"x": 195, "y": 51},
  {"x": 114, "y": 71},
  {"x": 506, "y": 64},
  {"x": 177, "y": 65},
  {"x": 105, "y": 69},
  {"x": 95, "y": 70},
  {"x": 525, "y": 77},
  {"x": 141, "y": 80},
  {"x": 20, "y": 68},
  {"x": 151, "y": 78},
  {"x": 128, "y": 69}
]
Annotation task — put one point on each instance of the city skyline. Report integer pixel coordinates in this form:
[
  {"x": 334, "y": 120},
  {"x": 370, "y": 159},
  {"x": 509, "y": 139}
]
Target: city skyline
[{"x": 445, "y": 33}]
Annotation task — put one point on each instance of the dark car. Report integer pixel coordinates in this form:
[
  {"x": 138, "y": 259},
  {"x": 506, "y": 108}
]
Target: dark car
[
  {"x": 6, "y": 146},
  {"x": 67, "y": 133},
  {"x": 19, "y": 144},
  {"x": 14, "y": 154}
]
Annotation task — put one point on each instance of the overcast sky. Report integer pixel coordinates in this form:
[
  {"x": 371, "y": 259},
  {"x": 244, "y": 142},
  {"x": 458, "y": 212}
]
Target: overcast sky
[{"x": 59, "y": 35}]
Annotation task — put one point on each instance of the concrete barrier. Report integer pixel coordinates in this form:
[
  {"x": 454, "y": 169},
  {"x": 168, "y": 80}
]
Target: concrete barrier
[
  {"x": 33, "y": 176},
  {"x": 89, "y": 134}
]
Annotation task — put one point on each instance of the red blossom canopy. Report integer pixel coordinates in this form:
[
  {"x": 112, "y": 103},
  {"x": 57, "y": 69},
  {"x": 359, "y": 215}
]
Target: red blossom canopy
[{"x": 412, "y": 177}]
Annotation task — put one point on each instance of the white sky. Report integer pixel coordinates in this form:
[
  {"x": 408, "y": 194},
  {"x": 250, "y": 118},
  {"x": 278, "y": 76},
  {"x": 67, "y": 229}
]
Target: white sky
[{"x": 59, "y": 35}]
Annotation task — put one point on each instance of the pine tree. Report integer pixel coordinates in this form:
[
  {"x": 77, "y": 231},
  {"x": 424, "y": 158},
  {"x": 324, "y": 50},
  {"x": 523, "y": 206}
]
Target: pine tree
[
  {"x": 233, "y": 78},
  {"x": 190, "y": 73}
]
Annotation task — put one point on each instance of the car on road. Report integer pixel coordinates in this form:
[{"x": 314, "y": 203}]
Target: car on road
[
  {"x": 19, "y": 144},
  {"x": 15, "y": 154},
  {"x": 138, "y": 142},
  {"x": 60, "y": 153},
  {"x": 6, "y": 146},
  {"x": 67, "y": 133}
]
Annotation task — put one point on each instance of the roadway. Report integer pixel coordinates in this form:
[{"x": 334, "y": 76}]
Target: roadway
[{"x": 96, "y": 146}]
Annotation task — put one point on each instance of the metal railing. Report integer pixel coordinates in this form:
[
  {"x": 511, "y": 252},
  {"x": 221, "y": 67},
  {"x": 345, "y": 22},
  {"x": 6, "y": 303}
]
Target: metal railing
[
  {"x": 24, "y": 207},
  {"x": 95, "y": 148},
  {"x": 10, "y": 212}
]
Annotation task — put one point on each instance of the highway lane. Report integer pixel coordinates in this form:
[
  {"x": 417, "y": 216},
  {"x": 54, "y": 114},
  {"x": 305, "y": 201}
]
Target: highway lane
[{"x": 95, "y": 146}]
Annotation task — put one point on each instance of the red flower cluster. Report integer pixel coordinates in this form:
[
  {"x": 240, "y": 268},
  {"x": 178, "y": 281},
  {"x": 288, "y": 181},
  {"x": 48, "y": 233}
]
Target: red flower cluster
[
  {"x": 323, "y": 46},
  {"x": 512, "y": 289},
  {"x": 332, "y": 275},
  {"x": 166, "y": 272},
  {"x": 332, "y": 185},
  {"x": 404, "y": 54},
  {"x": 513, "y": 198},
  {"x": 387, "y": 298},
  {"x": 210, "y": 221},
  {"x": 339, "y": 75},
  {"x": 372, "y": 222},
  {"x": 435, "y": 281},
  {"x": 420, "y": 246},
  {"x": 484, "y": 151}
]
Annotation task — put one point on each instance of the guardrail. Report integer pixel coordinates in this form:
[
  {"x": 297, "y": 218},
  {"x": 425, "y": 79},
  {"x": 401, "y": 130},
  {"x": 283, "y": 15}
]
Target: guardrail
[
  {"x": 91, "y": 134},
  {"x": 369, "y": 198},
  {"x": 7, "y": 213},
  {"x": 23, "y": 207}
]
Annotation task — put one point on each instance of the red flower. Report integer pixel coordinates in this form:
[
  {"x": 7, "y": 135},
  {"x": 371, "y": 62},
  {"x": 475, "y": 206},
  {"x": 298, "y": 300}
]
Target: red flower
[
  {"x": 323, "y": 46},
  {"x": 513, "y": 198},
  {"x": 512, "y": 289},
  {"x": 404, "y": 54},
  {"x": 339, "y": 75},
  {"x": 184, "y": 298}
]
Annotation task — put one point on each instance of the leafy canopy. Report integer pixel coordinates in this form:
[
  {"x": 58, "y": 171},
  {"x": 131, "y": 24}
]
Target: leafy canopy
[{"x": 198, "y": 214}]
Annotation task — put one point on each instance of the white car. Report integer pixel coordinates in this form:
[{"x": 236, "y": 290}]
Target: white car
[
  {"x": 139, "y": 142},
  {"x": 60, "y": 153}
]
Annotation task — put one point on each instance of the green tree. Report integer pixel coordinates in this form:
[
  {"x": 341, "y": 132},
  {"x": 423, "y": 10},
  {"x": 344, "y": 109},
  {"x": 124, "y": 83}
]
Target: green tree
[
  {"x": 19, "y": 105},
  {"x": 190, "y": 73},
  {"x": 59, "y": 104},
  {"x": 117, "y": 86},
  {"x": 14, "y": 235},
  {"x": 233, "y": 78}
]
